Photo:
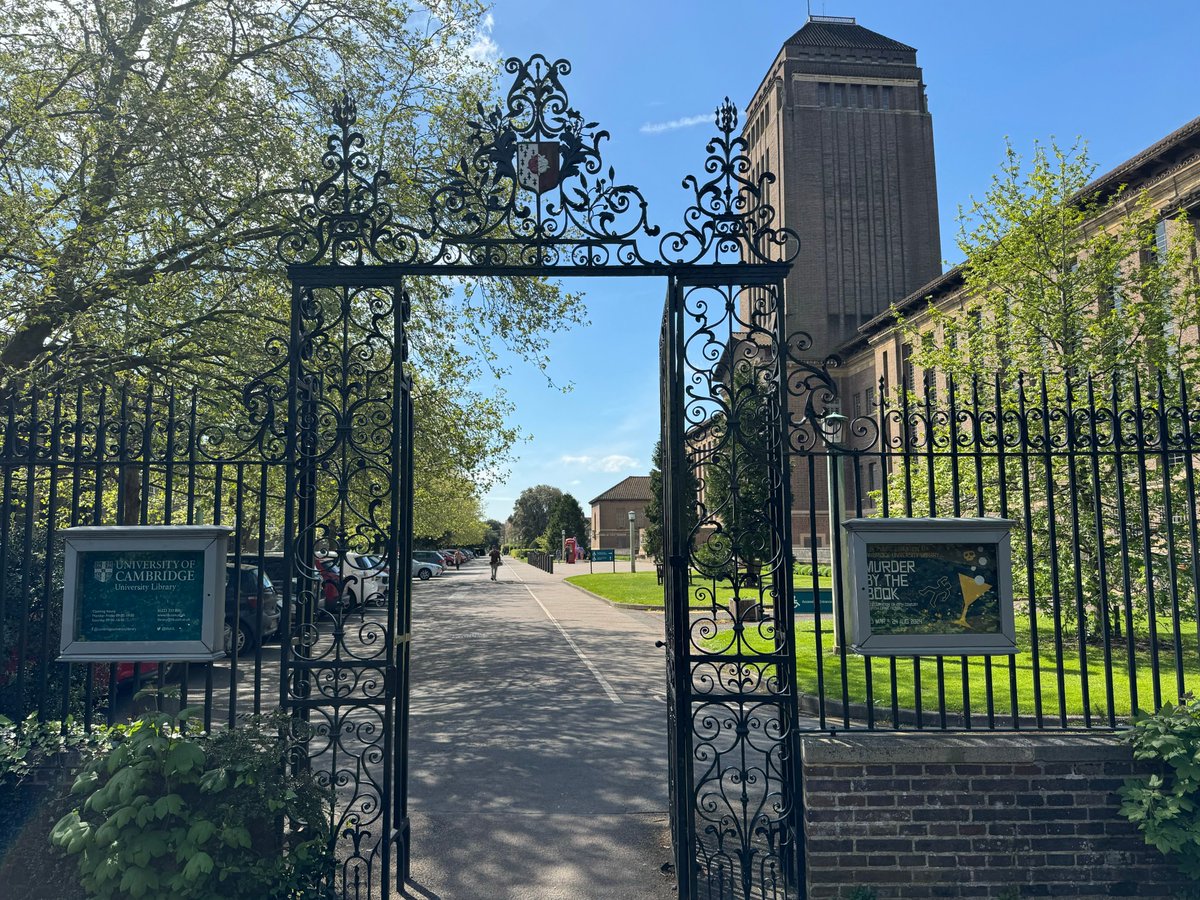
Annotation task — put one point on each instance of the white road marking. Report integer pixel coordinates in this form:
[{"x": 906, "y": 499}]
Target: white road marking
[{"x": 612, "y": 695}]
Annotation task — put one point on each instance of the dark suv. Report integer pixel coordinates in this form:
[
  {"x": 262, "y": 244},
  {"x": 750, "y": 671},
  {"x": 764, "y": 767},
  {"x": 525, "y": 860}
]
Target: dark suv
[{"x": 249, "y": 593}]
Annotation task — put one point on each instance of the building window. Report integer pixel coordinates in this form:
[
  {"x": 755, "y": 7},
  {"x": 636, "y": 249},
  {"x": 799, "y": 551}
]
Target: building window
[
  {"x": 929, "y": 383},
  {"x": 1158, "y": 253},
  {"x": 823, "y": 94},
  {"x": 857, "y": 404},
  {"x": 871, "y": 92},
  {"x": 886, "y": 98},
  {"x": 907, "y": 373},
  {"x": 871, "y": 476},
  {"x": 871, "y": 399},
  {"x": 839, "y": 95},
  {"x": 856, "y": 95}
]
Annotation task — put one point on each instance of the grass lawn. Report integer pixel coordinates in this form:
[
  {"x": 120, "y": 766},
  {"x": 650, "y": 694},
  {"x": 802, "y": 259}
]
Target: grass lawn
[
  {"x": 822, "y": 673},
  {"x": 643, "y": 587}
]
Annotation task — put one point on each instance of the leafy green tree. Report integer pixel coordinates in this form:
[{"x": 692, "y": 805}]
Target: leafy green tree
[
  {"x": 653, "y": 540},
  {"x": 531, "y": 513},
  {"x": 1064, "y": 286},
  {"x": 149, "y": 154},
  {"x": 737, "y": 481},
  {"x": 566, "y": 518},
  {"x": 493, "y": 535}
]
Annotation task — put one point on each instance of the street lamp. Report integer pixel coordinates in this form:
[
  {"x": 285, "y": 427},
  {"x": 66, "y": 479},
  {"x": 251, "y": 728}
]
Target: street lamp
[
  {"x": 632, "y": 543},
  {"x": 562, "y": 544}
]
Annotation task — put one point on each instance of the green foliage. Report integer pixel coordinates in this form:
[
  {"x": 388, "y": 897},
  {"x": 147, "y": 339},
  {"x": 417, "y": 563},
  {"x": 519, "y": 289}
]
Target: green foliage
[
  {"x": 1166, "y": 807},
  {"x": 653, "y": 542},
  {"x": 566, "y": 517},
  {"x": 26, "y": 745},
  {"x": 737, "y": 480},
  {"x": 531, "y": 513},
  {"x": 1050, "y": 292},
  {"x": 169, "y": 812}
]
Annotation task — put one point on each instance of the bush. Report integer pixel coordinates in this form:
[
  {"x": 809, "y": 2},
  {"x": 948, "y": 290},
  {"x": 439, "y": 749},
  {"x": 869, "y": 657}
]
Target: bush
[
  {"x": 1166, "y": 807},
  {"x": 170, "y": 812}
]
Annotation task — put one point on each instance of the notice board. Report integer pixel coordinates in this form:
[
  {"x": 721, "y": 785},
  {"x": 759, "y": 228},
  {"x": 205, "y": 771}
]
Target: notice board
[
  {"x": 153, "y": 593},
  {"x": 931, "y": 586}
]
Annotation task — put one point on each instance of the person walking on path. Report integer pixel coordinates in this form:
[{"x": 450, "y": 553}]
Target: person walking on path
[{"x": 494, "y": 558}]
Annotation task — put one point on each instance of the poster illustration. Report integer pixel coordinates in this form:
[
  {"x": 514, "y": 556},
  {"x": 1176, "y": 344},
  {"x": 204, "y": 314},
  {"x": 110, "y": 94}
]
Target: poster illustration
[{"x": 933, "y": 588}]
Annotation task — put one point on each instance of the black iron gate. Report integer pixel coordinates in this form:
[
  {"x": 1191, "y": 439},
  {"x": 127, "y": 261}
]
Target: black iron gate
[
  {"x": 533, "y": 197},
  {"x": 731, "y": 688}
]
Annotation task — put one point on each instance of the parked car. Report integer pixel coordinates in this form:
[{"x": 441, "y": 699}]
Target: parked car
[
  {"x": 363, "y": 577},
  {"x": 274, "y": 565},
  {"x": 249, "y": 593},
  {"x": 430, "y": 556},
  {"x": 425, "y": 570}
]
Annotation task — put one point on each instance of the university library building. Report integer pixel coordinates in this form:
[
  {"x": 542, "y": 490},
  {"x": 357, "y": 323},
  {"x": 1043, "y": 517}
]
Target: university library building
[{"x": 842, "y": 119}]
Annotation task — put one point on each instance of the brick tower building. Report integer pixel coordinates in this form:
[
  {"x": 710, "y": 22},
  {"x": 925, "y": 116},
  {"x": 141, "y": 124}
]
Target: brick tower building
[{"x": 841, "y": 119}]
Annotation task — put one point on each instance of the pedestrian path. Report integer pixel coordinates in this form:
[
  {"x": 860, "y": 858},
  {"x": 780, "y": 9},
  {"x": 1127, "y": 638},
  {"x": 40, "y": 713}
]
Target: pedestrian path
[{"x": 538, "y": 742}]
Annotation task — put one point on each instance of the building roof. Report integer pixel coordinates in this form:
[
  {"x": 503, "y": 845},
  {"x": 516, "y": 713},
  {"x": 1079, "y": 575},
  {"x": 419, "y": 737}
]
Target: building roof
[
  {"x": 1129, "y": 170},
  {"x": 635, "y": 487},
  {"x": 842, "y": 31}
]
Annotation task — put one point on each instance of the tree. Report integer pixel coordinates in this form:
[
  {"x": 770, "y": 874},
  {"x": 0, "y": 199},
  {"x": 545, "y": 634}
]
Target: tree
[
  {"x": 494, "y": 534},
  {"x": 653, "y": 537},
  {"x": 1071, "y": 293},
  {"x": 531, "y": 513},
  {"x": 566, "y": 518},
  {"x": 736, "y": 481},
  {"x": 149, "y": 155},
  {"x": 1063, "y": 281}
]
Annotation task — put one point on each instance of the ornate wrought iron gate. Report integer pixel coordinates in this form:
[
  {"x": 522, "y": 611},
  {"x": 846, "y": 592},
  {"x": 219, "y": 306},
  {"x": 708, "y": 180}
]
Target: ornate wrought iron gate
[{"x": 532, "y": 196}]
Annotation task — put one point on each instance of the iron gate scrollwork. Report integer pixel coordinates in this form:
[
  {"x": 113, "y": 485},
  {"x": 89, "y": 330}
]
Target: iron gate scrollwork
[{"x": 531, "y": 195}]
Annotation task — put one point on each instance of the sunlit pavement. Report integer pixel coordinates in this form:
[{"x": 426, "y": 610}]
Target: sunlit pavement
[{"x": 538, "y": 742}]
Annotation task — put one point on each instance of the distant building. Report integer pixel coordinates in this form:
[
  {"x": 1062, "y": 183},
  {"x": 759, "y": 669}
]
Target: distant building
[{"x": 610, "y": 513}]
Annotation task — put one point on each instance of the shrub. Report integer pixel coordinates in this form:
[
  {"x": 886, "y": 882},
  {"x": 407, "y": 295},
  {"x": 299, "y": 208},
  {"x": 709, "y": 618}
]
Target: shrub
[
  {"x": 1166, "y": 807},
  {"x": 171, "y": 812}
]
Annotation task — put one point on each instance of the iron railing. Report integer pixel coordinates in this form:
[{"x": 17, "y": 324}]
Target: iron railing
[
  {"x": 1100, "y": 476},
  {"x": 113, "y": 457},
  {"x": 541, "y": 560}
]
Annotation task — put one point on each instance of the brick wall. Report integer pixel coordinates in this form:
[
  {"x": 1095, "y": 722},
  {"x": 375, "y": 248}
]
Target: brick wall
[{"x": 936, "y": 815}]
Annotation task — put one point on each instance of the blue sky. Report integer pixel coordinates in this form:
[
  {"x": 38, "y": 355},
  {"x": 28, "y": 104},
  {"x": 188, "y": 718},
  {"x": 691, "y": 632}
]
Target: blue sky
[{"x": 1121, "y": 75}]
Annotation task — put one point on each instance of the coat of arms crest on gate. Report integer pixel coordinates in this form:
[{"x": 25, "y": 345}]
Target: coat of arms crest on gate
[
  {"x": 538, "y": 165},
  {"x": 102, "y": 571}
]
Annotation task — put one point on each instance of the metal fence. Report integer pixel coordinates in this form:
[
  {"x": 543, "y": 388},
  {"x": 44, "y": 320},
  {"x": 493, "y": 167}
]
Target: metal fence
[
  {"x": 108, "y": 457},
  {"x": 1100, "y": 476},
  {"x": 541, "y": 560}
]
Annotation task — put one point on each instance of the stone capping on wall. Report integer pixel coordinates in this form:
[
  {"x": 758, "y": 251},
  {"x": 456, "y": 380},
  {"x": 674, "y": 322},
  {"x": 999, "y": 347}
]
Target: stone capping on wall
[{"x": 892, "y": 748}]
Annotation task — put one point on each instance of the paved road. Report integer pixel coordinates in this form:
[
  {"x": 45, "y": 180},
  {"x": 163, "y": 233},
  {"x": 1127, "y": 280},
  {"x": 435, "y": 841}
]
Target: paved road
[{"x": 538, "y": 742}]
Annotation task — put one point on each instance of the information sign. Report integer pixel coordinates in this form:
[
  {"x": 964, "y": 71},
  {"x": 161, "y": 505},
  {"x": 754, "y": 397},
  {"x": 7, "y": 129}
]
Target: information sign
[
  {"x": 931, "y": 586},
  {"x": 144, "y": 593},
  {"x": 604, "y": 555}
]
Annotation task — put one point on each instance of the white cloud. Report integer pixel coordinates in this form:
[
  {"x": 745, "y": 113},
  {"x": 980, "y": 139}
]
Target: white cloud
[
  {"x": 686, "y": 122},
  {"x": 614, "y": 462},
  {"x": 483, "y": 49}
]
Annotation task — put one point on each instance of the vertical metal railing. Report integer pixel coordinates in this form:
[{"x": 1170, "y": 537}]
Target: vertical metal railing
[{"x": 1099, "y": 473}]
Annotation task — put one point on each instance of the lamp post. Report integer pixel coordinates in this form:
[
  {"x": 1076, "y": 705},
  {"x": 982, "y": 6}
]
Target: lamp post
[
  {"x": 562, "y": 544},
  {"x": 632, "y": 543}
]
